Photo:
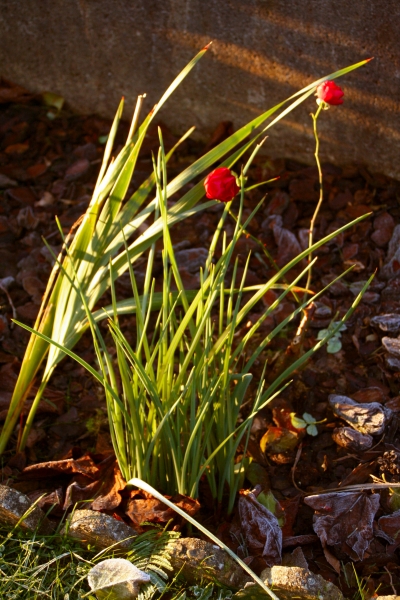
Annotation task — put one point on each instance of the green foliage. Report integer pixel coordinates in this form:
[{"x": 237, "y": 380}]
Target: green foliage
[
  {"x": 96, "y": 254},
  {"x": 174, "y": 398},
  {"x": 334, "y": 343},
  {"x": 56, "y": 567},
  {"x": 307, "y": 422}
]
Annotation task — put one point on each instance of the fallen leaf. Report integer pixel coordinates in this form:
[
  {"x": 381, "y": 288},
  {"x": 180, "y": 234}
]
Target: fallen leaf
[
  {"x": 390, "y": 524},
  {"x": 383, "y": 226},
  {"x": 112, "y": 483},
  {"x": 331, "y": 559},
  {"x": 278, "y": 204},
  {"x": 283, "y": 417},
  {"x": 36, "y": 170},
  {"x": 149, "y": 509},
  {"x": 299, "y": 540},
  {"x": 391, "y": 345},
  {"x": 278, "y": 439},
  {"x": 288, "y": 244},
  {"x": 84, "y": 466},
  {"x": 260, "y": 528},
  {"x": 394, "y": 404},
  {"x": 370, "y": 394},
  {"x": 345, "y": 518},
  {"x": 359, "y": 474},
  {"x": 290, "y": 508},
  {"x": 77, "y": 169},
  {"x": 76, "y": 493},
  {"x": 389, "y": 322},
  {"x": 51, "y": 501},
  {"x": 16, "y": 149}
]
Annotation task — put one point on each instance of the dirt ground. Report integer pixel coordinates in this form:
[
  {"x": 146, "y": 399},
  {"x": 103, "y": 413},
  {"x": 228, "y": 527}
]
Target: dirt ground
[{"x": 49, "y": 161}]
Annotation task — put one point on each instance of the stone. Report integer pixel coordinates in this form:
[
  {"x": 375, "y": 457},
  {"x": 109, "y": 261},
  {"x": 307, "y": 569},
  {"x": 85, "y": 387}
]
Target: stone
[
  {"x": 197, "y": 559},
  {"x": 302, "y": 584},
  {"x": 99, "y": 530},
  {"x": 368, "y": 418},
  {"x": 116, "y": 579},
  {"x": 352, "y": 440},
  {"x": 14, "y": 505}
]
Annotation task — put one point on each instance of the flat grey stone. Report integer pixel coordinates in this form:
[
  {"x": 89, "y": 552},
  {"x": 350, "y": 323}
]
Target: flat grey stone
[
  {"x": 100, "y": 530},
  {"x": 197, "y": 559},
  {"x": 116, "y": 579},
  {"x": 295, "y": 582},
  {"x": 14, "y": 505}
]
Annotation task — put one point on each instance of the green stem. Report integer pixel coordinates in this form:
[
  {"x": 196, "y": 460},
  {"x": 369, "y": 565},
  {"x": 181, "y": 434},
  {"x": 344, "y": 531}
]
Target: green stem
[{"x": 321, "y": 190}]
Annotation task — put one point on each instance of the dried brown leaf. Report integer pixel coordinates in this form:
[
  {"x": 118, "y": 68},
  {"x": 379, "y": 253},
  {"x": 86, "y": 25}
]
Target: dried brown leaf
[
  {"x": 344, "y": 518},
  {"x": 83, "y": 466},
  {"x": 390, "y": 524},
  {"x": 260, "y": 528}
]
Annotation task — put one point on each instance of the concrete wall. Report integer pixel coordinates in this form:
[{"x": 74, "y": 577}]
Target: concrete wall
[{"x": 93, "y": 51}]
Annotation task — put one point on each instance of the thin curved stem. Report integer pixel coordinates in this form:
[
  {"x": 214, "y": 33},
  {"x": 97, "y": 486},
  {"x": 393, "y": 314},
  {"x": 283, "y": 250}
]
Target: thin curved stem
[{"x": 321, "y": 191}]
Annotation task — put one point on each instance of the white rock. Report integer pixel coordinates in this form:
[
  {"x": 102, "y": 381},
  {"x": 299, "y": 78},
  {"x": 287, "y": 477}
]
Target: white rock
[{"x": 116, "y": 579}]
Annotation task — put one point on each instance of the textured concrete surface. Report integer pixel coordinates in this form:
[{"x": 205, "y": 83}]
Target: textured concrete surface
[{"x": 94, "y": 51}]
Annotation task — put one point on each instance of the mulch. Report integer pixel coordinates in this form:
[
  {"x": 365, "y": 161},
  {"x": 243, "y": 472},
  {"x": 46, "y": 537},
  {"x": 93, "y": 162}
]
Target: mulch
[{"x": 49, "y": 161}]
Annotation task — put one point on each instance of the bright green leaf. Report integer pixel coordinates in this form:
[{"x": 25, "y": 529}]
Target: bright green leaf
[{"x": 297, "y": 422}]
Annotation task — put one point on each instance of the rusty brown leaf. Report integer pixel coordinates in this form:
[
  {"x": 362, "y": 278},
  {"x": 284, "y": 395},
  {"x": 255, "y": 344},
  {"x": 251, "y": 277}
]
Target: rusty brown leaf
[
  {"x": 143, "y": 507},
  {"x": 84, "y": 466},
  {"x": 112, "y": 483}
]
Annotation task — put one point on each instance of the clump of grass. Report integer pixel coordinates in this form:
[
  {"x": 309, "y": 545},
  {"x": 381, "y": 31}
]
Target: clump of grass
[{"x": 34, "y": 566}]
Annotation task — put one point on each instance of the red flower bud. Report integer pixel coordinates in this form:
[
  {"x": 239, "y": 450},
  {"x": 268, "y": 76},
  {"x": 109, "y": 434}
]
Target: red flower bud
[
  {"x": 221, "y": 185},
  {"x": 330, "y": 93}
]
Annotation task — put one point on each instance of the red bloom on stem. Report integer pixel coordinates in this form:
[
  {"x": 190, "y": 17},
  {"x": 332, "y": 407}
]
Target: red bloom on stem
[
  {"x": 330, "y": 93},
  {"x": 221, "y": 185}
]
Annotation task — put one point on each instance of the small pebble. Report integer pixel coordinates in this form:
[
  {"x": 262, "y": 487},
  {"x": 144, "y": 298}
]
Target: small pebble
[{"x": 352, "y": 440}]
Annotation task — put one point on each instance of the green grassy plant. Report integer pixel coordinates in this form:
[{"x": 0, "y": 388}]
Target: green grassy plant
[
  {"x": 55, "y": 566},
  {"x": 96, "y": 255},
  {"x": 174, "y": 398}
]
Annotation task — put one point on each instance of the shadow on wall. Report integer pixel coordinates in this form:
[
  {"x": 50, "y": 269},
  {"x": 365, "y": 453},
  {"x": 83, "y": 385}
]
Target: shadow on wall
[{"x": 264, "y": 50}]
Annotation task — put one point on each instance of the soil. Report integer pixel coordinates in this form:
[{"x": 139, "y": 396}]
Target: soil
[{"x": 49, "y": 161}]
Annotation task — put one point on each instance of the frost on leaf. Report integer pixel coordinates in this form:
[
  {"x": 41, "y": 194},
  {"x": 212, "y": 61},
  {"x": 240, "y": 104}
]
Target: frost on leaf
[
  {"x": 345, "y": 518},
  {"x": 260, "y": 528},
  {"x": 390, "y": 524}
]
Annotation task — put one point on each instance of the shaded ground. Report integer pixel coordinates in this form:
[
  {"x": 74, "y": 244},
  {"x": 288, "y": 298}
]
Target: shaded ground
[{"x": 48, "y": 166}]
